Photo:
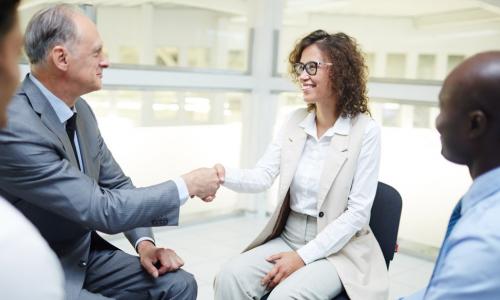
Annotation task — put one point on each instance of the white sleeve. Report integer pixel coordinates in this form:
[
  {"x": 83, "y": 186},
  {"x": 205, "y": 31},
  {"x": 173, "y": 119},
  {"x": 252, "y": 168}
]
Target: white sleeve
[
  {"x": 336, "y": 234},
  {"x": 262, "y": 176}
]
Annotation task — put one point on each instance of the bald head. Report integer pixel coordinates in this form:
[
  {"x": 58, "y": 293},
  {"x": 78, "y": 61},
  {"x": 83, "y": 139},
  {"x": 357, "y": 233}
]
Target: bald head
[
  {"x": 475, "y": 83},
  {"x": 469, "y": 119}
]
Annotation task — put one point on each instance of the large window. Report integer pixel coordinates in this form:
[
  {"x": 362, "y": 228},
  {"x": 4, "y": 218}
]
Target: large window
[
  {"x": 199, "y": 35},
  {"x": 160, "y": 134},
  {"x": 405, "y": 39}
]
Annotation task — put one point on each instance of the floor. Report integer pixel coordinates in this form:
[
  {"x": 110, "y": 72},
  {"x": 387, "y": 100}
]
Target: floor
[{"x": 206, "y": 246}]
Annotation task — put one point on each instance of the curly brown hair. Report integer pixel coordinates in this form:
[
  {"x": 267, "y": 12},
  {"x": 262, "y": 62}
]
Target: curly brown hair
[{"x": 349, "y": 72}]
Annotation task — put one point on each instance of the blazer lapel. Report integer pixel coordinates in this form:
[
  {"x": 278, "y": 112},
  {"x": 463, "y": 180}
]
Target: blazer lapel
[
  {"x": 48, "y": 116},
  {"x": 337, "y": 156},
  {"x": 293, "y": 145}
]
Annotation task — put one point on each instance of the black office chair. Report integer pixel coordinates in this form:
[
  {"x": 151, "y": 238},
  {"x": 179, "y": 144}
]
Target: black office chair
[{"x": 384, "y": 223}]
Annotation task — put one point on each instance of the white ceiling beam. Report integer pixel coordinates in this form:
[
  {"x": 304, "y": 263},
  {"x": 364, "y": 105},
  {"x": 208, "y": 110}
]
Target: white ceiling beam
[
  {"x": 234, "y": 7},
  {"x": 469, "y": 16}
]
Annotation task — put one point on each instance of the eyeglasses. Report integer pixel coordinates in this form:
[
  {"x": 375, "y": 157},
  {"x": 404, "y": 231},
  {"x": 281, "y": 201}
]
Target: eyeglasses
[{"x": 311, "y": 67}]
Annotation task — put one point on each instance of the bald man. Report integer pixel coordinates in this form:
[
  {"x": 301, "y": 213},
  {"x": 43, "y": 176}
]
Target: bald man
[{"x": 468, "y": 265}]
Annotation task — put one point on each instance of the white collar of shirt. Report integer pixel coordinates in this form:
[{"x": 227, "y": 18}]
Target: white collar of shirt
[
  {"x": 342, "y": 126},
  {"x": 63, "y": 111},
  {"x": 482, "y": 187}
]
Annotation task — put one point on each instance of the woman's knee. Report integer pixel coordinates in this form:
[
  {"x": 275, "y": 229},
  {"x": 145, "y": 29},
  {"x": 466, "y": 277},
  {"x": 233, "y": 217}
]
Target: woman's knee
[{"x": 228, "y": 274}]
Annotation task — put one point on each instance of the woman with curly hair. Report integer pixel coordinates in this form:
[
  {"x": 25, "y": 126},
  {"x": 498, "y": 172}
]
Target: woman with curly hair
[{"x": 317, "y": 242}]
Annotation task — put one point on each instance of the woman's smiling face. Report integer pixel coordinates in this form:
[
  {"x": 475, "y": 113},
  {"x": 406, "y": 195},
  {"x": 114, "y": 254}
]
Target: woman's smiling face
[{"x": 316, "y": 88}]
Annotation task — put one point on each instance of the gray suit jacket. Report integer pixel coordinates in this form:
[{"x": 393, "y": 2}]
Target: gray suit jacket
[{"x": 39, "y": 175}]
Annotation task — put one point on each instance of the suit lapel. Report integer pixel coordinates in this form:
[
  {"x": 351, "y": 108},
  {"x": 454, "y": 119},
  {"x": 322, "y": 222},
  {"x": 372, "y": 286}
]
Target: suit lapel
[
  {"x": 335, "y": 159},
  {"x": 49, "y": 117}
]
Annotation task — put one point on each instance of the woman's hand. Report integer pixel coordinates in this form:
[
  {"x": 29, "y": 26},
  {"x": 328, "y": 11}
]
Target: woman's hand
[
  {"x": 221, "y": 172},
  {"x": 285, "y": 263}
]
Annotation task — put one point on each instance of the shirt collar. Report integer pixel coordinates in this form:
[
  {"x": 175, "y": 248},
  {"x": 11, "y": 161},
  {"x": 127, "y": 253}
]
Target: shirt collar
[
  {"x": 342, "y": 126},
  {"x": 63, "y": 111},
  {"x": 481, "y": 188}
]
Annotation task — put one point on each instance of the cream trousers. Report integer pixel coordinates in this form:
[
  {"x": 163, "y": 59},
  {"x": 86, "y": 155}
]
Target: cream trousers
[{"x": 240, "y": 277}]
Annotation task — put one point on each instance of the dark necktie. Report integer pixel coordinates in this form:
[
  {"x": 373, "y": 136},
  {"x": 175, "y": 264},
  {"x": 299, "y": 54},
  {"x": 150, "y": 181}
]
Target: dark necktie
[
  {"x": 455, "y": 216},
  {"x": 70, "y": 130}
]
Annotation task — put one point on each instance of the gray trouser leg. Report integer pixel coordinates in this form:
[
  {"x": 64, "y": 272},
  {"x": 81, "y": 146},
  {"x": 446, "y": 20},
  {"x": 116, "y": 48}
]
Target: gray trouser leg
[
  {"x": 240, "y": 277},
  {"x": 86, "y": 295},
  {"x": 117, "y": 275}
]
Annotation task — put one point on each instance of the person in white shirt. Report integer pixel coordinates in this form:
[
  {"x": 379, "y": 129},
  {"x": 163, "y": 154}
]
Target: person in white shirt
[
  {"x": 28, "y": 267},
  {"x": 317, "y": 242}
]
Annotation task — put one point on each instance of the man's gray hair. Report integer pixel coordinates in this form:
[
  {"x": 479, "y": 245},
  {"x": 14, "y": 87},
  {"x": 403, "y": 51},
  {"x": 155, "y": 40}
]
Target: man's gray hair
[{"x": 48, "y": 28}]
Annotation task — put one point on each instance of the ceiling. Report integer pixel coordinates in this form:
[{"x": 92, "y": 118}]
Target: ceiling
[{"x": 423, "y": 11}]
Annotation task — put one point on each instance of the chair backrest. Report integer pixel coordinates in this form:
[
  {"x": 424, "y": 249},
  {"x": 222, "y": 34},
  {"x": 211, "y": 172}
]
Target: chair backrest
[{"x": 385, "y": 216}]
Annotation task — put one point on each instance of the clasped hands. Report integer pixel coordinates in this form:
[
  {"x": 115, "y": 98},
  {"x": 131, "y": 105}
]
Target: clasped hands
[{"x": 204, "y": 182}]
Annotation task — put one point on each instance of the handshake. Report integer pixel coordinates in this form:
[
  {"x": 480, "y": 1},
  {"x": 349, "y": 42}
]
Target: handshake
[{"x": 204, "y": 182}]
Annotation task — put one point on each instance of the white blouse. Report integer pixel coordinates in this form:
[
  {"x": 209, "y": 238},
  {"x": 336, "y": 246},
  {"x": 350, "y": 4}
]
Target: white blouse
[{"x": 305, "y": 184}]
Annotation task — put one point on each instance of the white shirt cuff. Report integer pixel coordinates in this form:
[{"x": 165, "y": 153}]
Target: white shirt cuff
[
  {"x": 229, "y": 175},
  {"x": 309, "y": 252},
  {"x": 144, "y": 238},
  {"x": 182, "y": 189}
]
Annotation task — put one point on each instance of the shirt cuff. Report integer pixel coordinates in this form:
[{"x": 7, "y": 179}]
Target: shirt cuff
[
  {"x": 310, "y": 252},
  {"x": 229, "y": 174},
  {"x": 144, "y": 238},
  {"x": 182, "y": 189}
]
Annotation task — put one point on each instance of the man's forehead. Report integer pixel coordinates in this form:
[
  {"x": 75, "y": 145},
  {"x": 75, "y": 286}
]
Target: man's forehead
[{"x": 87, "y": 31}]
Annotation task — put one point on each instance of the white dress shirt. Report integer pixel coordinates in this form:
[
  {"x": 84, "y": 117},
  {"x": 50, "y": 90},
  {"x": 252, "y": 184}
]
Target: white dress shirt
[
  {"x": 305, "y": 184},
  {"x": 28, "y": 267}
]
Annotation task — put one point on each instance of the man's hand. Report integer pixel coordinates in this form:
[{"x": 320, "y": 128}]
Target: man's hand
[
  {"x": 285, "y": 263},
  {"x": 166, "y": 259},
  {"x": 221, "y": 172},
  {"x": 203, "y": 183}
]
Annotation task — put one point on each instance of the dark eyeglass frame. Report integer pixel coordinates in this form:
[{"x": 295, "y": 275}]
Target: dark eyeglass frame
[{"x": 311, "y": 67}]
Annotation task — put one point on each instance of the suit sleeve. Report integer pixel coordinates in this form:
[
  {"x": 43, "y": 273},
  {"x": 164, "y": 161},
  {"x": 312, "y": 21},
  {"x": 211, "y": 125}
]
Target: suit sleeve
[
  {"x": 34, "y": 169},
  {"x": 112, "y": 177}
]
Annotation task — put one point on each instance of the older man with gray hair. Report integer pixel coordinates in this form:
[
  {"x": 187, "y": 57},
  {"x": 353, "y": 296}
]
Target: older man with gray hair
[{"x": 57, "y": 170}]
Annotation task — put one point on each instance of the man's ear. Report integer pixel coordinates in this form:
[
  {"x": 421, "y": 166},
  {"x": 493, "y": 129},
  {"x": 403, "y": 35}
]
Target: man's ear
[
  {"x": 59, "y": 57},
  {"x": 478, "y": 123}
]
